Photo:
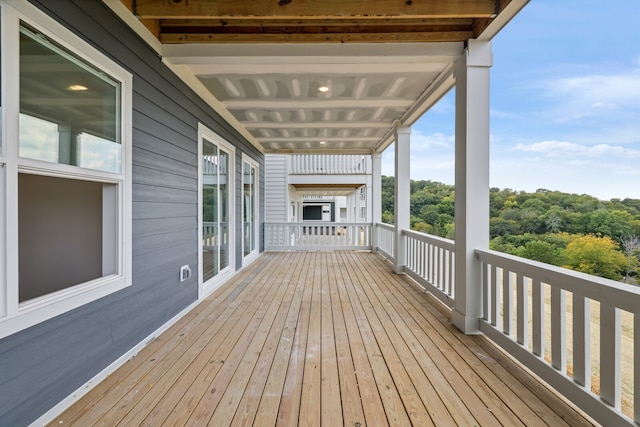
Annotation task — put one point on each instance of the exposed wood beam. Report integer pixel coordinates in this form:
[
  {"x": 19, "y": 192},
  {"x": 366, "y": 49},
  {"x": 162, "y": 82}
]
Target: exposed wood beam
[
  {"x": 314, "y": 9},
  {"x": 336, "y": 21},
  {"x": 319, "y": 37},
  {"x": 153, "y": 25}
]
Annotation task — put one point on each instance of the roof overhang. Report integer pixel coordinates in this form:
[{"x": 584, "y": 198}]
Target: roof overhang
[{"x": 296, "y": 76}]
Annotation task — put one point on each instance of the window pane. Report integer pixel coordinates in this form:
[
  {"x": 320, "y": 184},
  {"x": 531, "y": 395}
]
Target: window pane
[
  {"x": 69, "y": 111},
  {"x": 62, "y": 240},
  {"x": 224, "y": 209},
  {"x": 248, "y": 174},
  {"x": 210, "y": 262}
]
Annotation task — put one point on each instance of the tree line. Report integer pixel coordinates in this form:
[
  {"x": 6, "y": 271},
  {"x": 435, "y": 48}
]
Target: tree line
[{"x": 580, "y": 232}]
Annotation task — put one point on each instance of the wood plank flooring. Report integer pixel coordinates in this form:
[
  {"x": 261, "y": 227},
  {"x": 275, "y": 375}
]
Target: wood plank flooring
[{"x": 319, "y": 339}]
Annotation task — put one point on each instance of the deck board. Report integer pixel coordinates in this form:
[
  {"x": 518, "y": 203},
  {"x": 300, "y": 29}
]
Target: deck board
[{"x": 320, "y": 338}]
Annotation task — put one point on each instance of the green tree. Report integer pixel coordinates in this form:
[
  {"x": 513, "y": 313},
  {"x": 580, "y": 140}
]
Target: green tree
[
  {"x": 539, "y": 250},
  {"x": 596, "y": 255},
  {"x": 631, "y": 249}
]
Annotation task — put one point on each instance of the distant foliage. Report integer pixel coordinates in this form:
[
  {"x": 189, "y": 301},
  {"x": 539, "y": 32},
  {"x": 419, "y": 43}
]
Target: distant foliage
[{"x": 575, "y": 231}]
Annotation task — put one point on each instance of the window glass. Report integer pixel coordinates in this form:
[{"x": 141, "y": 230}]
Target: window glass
[
  {"x": 249, "y": 176},
  {"x": 210, "y": 214},
  {"x": 64, "y": 213},
  {"x": 223, "y": 196},
  {"x": 69, "y": 111}
]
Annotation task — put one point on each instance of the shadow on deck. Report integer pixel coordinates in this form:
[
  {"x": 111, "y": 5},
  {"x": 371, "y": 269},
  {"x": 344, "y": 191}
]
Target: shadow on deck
[{"x": 320, "y": 338}]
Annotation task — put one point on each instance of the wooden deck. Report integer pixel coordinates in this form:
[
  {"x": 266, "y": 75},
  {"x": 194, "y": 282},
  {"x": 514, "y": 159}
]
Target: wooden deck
[{"x": 319, "y": 339}]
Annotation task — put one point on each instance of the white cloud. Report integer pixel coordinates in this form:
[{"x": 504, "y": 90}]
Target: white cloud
[
  {"x": 435, "y": 141},
  {"x": 432, "y": 157},
  {"x": 598, "y": 94},
  {"x": 563, "y": 149}
]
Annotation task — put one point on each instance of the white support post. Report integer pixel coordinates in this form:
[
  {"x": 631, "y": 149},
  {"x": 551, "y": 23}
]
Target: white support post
[
  {"x": 375, "y": 202},
  {"x": 402, "y": 193},
  {"x": 472, "y": 181}
]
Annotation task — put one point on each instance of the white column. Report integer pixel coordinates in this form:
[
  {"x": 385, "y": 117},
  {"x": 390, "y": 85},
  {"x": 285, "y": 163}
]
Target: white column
[
  {"x": 472, "y": 181},
  {"x": 374, "y": 204},
  {"x": 402, "y": 193}
]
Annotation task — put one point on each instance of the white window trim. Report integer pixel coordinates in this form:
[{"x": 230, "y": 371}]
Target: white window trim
[
  {"x": 206, "y": 288},
  {"x": 248, "y": 259},
  {"x": 15, "y": 316}
]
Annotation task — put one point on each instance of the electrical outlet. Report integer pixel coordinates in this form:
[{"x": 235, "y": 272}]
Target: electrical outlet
[{"x": 185, "y": 273}]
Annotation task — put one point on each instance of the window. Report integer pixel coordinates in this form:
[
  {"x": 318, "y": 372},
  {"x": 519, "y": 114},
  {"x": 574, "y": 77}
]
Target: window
[
  {"x": 249, "y": 207},
  {"x": 65, "y": 169},
  {"x": 216, "y": 176}
]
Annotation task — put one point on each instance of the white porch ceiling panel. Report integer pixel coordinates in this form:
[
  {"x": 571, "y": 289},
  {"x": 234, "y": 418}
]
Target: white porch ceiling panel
[
  {"x": 276, "y": 91},
  {"x": 262, "y": 63}
]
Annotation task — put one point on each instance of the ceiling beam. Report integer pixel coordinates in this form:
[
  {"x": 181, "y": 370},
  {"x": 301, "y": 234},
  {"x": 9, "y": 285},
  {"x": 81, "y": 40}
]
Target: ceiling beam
[
  {"x": 307, "y": 125},
  {"x": 319, "y": 139},
  {"x": 336, "y": 21},
  {"x": 286, "y": 54},
  {"x": 314, "y": 9},
  {"x": 292, "y": 36},
  {"x": 326, "y": 69},
  {"x": 278, "y": 104}
]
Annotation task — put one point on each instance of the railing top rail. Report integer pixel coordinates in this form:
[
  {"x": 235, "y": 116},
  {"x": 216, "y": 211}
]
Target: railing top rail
[
  {"x": 428, "y": 238},
  {"x": 319, "y": 224},
  {"x": 621, "y": 295},
  {"x": 386, "y": 226}
]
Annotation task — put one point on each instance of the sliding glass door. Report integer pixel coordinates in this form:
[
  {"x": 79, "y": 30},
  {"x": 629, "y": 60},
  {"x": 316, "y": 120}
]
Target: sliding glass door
[
  {"x": 216, "y": 209},
  {"x": 249, "y": 208}
]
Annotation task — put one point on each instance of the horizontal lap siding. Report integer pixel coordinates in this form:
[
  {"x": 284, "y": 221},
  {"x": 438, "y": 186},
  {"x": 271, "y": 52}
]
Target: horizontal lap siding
[
  {"x": 44, "y": 364},
  {"x": 276, "y": 189}
]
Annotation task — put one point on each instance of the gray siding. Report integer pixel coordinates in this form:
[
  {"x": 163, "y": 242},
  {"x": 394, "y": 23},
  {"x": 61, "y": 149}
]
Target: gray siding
[
  {"x": 276, "y": 188},
  {"x": 42, "y": 365}
]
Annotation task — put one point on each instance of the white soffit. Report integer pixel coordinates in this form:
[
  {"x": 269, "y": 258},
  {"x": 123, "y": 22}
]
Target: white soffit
[{"x": 274, "y": 90}]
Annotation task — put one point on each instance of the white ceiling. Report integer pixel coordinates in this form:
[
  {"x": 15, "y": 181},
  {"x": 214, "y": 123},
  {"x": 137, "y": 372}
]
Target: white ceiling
[{"x": 271, "y": 90}]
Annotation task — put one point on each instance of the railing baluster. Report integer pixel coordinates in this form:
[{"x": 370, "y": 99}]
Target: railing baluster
[
  {"x": 522, "y": 311},
  {"x": 452, "y": 258},
  {"x": 610, "y": 350},
  {"x": 436, "y": 269},
  {"x": 558, "y": 329},
  {"x": 537, "y": 305},
  {"x": 485, "y": 291},
  {"x": 582, "y": 341},
  {"x": 507, "y": 306},
  {"x": 494, "y": 295}
]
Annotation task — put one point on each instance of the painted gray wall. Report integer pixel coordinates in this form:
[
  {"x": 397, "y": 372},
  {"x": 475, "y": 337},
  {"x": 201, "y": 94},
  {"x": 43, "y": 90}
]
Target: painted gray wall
[{"x": 44, "y": 364}]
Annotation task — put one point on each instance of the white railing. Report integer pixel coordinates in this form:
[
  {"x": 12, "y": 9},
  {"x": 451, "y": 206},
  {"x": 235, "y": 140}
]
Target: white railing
[
  {"x": 328, "y": 164},
  {"x": 386, "y": 237},
  {"x": 544, "y": 315},
  {"x": 431, "y": 262},
  {"x": 579, "y": 333},
  {"x": 317, "y": 236}
]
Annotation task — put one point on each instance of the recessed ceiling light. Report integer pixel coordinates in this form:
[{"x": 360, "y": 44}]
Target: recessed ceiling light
[
  {"x": 323, "y": 142},
  {"x": 78, "y": 87},
  {"x": 323, "y": 88}
]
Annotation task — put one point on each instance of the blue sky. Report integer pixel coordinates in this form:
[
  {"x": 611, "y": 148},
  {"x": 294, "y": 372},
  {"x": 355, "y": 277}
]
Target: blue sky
[{"x": 565, "y": 104}]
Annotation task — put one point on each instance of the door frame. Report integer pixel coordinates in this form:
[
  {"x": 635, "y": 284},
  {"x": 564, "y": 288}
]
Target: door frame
[
  {"x": 247, "y": 259},
  {"x": 206, "y": 288}
]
